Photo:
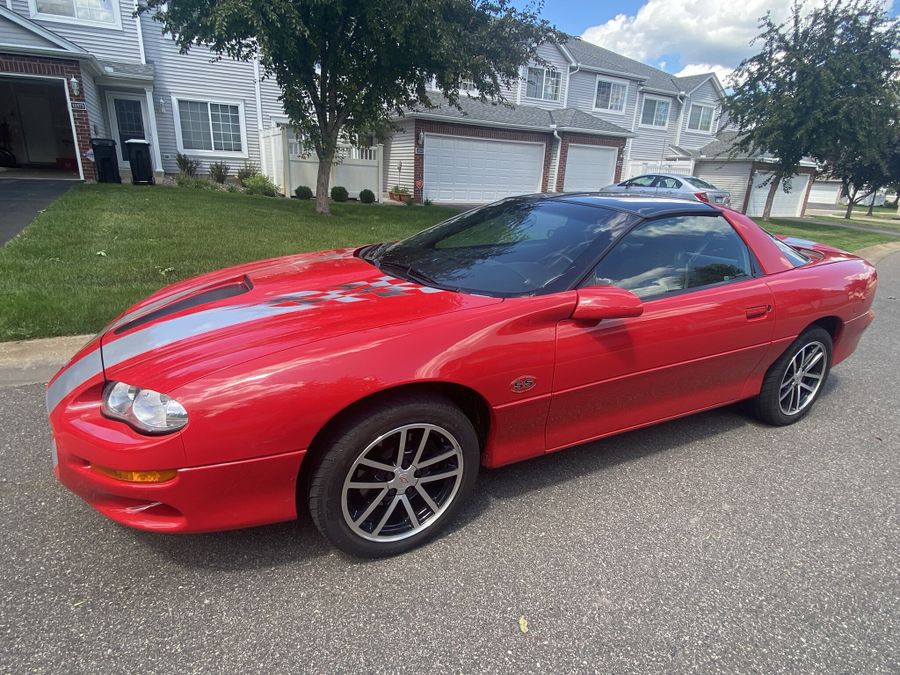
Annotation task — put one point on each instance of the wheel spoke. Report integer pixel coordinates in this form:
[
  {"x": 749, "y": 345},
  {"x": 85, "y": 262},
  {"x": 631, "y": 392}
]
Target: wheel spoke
[
  {"x": 421, "y": 448},
  {"x": 807, "y": 387},
  {"x": 427, "y": 497},
  {"x": 371, "y": 507},
  {"x": 813, "y": 360},
  {"x": 815, "y": 376},
  {"x": 372, "y": 464},
  {"x": 439, "y": 476},
  {"x": 412, "y": 514},
  {"x": 401, "y": 448},
  {"x": 365, "y": 485},
  {"x": 387, "y": 514},
  {"x": 435, "y": 460}
]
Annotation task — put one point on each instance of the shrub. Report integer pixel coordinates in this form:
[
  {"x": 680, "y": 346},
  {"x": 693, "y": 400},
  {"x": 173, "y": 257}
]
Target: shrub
[
  {"x": 339, "y": 194},
  {"x": 186, "y": 165},
  {"x": 249, "y": 170},
  {"x": 259, "y": 185},
  {"x": 193, "y": 182},
  {"x": 219, "y": 171},
  {"x": 427, "y": 202},
  {"x": 303, "y": 192},
  {"x": 366, "y": 196},
  {"x": 231, "y": 187}
]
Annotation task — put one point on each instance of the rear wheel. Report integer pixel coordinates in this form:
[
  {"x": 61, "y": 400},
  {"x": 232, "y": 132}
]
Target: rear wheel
[
  {"x": 393, "y": 476},
  {"x": 796, "y": 379}
]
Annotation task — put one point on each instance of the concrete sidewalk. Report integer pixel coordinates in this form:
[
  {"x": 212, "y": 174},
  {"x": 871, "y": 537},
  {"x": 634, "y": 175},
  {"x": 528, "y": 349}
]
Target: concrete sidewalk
[{"x": 36, "y": 361}]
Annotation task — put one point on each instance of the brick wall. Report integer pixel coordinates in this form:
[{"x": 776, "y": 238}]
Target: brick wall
[
  {"x": 583, "y": 139},
  {"x": 52, "y": 67},
  {"x": 474, "y": 131}
]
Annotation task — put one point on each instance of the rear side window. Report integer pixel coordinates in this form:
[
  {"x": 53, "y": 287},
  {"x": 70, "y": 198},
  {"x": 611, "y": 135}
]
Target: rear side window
[
  {"x": 676, "y": 254},
  {"x": 696, "y": 182},
  {"x": 796, "y": 258}
]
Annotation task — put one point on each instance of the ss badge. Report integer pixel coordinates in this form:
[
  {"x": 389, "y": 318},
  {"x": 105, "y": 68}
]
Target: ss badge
[{"x": 522, "y": 384}]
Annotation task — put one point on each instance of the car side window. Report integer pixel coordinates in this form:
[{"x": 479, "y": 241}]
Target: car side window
[
  {"x": 674, "y": 254},
  {"x": 668, "y": 183},
  {"x": 641, "y": 181}
]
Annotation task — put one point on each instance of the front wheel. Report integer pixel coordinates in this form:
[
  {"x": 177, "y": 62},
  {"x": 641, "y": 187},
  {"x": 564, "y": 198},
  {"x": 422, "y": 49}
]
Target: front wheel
[
  {"x": 796, "y": 379},
  {"x": 393, "y": 476}
]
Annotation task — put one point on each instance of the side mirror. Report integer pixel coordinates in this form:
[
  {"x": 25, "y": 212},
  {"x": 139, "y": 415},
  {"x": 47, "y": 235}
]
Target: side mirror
[{"x": 606, "y": 302}]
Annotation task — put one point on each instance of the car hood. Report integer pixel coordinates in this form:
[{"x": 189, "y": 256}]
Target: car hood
[{"x": 221, "y": 319}]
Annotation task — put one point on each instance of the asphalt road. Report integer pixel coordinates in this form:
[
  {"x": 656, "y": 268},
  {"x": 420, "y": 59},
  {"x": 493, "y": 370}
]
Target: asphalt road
[{"x": 708, "y": 544}]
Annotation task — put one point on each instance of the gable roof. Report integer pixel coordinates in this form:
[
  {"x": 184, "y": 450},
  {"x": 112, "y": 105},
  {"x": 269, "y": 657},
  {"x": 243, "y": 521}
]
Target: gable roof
[
  {"x": 42, "y": 40},
  {"x": 591, "y": 56},
  {"x": 528, "y": 117}
]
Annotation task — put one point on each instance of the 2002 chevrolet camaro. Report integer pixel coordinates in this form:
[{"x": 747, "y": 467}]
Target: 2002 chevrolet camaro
[{"x": 371, "y": 384}]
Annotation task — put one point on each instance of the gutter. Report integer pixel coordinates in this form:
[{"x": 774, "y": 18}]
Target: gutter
[{"x": 558, "y": 157}]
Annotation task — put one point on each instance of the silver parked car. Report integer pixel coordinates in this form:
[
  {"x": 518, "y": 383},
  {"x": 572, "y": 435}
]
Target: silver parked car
[{"x": 671, "y": 185}]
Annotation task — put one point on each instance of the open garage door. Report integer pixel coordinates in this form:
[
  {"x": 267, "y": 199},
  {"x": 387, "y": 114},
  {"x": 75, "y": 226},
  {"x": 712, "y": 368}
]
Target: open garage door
[
  {"x": 589, "y": 168},
  {"x": 474, "y": 170},
  {"x": 788, "y": 204}
]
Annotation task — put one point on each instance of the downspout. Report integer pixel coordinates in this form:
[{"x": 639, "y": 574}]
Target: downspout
[
  {"x": 637, "y": 104},
  {"x": 558, "y": 157},
  {"x": 681, "y": 98},
  {"x": 569, "y": 84},
  {"x": 258, "y": 91}
]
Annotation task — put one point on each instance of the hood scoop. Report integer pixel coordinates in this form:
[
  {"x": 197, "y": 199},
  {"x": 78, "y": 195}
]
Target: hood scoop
[{"x": 203, "y": 297}]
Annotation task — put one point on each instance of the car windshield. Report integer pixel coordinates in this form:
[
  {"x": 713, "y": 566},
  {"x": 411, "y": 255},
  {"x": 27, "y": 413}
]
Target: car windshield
[
  {"x": 696, "y": 182},
  {"x": 513, "y": 247}
]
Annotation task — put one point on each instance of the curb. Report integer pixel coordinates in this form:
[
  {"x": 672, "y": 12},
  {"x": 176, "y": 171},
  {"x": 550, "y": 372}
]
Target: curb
[{"x": 36, "y": 361}]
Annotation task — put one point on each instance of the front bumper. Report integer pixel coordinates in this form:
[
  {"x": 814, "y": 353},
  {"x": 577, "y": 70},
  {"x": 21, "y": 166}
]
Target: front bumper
[{"x": 199, "y": 499}]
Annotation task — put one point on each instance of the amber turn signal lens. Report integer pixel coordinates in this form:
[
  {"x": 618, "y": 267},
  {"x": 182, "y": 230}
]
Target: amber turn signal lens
[{"x": 137, "y": 476}]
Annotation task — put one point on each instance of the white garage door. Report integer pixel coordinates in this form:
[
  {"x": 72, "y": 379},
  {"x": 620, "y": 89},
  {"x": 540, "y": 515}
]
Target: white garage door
[
  {"x": 471, "y": 170},
  {"x": 788, "y": 204},
  {"x": 824, "y": 193},
  {"x": 589, "y": 168}
]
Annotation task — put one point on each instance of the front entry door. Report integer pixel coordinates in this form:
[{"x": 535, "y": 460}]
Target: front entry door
[{"x": 127, "y": 112}]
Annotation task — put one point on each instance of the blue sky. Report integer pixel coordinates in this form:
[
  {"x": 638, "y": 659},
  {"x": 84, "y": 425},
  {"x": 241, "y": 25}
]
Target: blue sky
[{"x": 679, "y": 36}]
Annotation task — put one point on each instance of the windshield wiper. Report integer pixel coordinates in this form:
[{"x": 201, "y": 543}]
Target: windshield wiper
[{"x": 411, "y": 273}]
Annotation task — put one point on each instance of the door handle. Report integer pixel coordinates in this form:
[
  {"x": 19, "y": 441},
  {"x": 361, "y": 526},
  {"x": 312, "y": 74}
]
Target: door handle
[{"x": 758, "y": 311}]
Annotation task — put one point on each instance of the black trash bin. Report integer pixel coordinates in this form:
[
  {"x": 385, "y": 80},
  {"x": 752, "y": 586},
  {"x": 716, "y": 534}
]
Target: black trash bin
[
  {"x": 105, "y": 160},
  {"x": 139, "y": 158}
]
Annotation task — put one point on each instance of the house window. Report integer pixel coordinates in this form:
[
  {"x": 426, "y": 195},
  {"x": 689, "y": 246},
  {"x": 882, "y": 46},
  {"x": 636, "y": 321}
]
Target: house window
[
  {"x": 543, "y": 83},
  {"x": 208, "y": 126},
  {"x": 701, "y": 117},
  {"x": 610, "y": 95},
  {"x": 101, "y": 12},
  {"x": 655, "y": 113},
  {"x": 466, "y": 84}
]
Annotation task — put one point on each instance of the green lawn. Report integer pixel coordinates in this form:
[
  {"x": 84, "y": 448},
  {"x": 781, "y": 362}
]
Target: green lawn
[
  {"x": 883, "y": 221},
  {"x": 841, "y": 237},
  {"x": 101, "y": 248}
]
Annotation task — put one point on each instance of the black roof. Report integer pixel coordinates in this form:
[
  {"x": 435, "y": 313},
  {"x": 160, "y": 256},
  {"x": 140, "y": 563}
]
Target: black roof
[{"x": 639, "y": 205}]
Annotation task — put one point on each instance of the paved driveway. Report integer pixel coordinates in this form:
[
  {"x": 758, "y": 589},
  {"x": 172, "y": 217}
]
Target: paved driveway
[
  {"x": 21, "y": 200},
  {"x": 707, "y": 544}
]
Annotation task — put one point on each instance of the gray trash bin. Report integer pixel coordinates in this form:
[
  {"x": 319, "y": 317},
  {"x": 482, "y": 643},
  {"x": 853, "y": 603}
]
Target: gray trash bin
[{"x": 139, "y": 158}]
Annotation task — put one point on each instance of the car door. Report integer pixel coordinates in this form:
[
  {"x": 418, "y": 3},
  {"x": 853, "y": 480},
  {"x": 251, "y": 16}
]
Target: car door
[
  {"x": 641, "y": 185},
  {"x": 666, "y": 186},
  {"x": 707, "y": 322}
]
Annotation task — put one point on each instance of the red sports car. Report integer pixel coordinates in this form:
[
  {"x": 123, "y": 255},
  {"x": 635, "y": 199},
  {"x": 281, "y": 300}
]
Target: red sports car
[{"x": 370, "y": 385}]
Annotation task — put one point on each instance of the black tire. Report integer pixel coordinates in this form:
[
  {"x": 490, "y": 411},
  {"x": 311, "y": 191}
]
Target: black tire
[
  {"x": 768, "y": 405},
  {"x": 344, "y": 448}
]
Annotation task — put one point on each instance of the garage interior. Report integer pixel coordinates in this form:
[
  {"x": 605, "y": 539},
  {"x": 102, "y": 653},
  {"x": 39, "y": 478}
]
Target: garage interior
[{"x": 36, "y": 139}]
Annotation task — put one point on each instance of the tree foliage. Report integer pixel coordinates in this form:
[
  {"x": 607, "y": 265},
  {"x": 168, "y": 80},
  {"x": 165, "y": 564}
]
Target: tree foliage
[
  {"x": 345, "y": 67},
  {"x": 824, "y": 85}
]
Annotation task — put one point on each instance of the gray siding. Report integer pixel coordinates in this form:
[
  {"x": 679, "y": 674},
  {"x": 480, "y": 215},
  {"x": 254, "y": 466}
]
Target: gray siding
[
  {"x": 731, "y": 176},
  {"x": 94, "y": 108},
  {"x": 13, "y": 34},
  {"x": 399, "y": 150},
  {"x": 555, "y": 58},
  {"x": 194, "y": 76},
  {"x": 582, "y": 91},
  {"x": 650, "y": 143},
  {"x": 694, "y": 140},
  {"x": 272, "y": 110},
  {"x": 112, "y": 43}
]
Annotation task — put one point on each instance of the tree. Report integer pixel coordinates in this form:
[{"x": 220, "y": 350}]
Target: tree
[
  {"x": 822, "y": 83},
  {"x": 346, "y": 67}
]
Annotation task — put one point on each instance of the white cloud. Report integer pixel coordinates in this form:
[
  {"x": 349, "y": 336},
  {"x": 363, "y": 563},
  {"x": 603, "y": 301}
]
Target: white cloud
[
  {"x": 700, "y": 31},
  {"x": 724, "y": 72}
]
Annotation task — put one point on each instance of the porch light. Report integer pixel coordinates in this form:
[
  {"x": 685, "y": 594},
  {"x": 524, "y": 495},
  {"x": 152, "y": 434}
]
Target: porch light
[{"x": 75, "y": 86}]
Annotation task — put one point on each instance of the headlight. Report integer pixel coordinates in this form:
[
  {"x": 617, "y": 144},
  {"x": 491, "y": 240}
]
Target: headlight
[{"x": 144, "y": 409}]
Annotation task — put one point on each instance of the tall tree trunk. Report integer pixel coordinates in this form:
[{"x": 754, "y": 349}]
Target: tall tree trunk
[
  {"x": 770, "y": 198},
  {"x": 871, "y": 204},
  {"x": 851, "y": 198},
  {"x": 323, "y": 178}
]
